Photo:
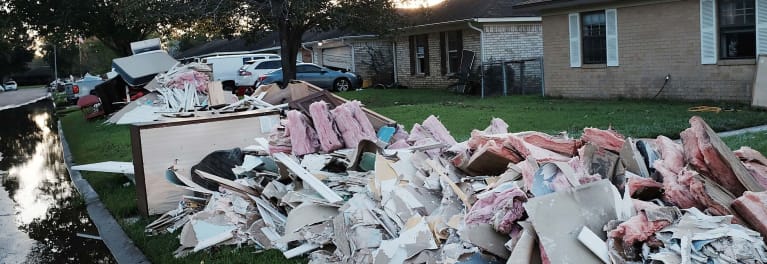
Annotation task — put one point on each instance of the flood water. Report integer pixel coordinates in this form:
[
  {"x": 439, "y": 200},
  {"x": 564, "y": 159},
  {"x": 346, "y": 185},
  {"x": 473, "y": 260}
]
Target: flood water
[{"x": 40, "y": 210}]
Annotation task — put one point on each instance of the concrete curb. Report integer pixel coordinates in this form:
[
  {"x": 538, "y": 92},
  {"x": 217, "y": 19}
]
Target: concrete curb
[
  {"x": 743, "y": 131},
  {"x": 119, "y": 244}
]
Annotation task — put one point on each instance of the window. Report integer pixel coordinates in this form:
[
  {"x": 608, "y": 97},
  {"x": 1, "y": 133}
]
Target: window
[
  {"x": 451, "y": 45},
  {"x": 594, "y": 31},
  {"x": 419, "y": 54},
  {"x": 269, "y": 65},
  {"x": 307, "y": 68},
  {"x": 737, "y": 30}
]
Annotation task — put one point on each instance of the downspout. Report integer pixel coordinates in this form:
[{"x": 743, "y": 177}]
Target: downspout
[
  {"x": 394, "y": 58},
  {"x": 354, "y": 61},
  {"x": 482, "y": 56}
]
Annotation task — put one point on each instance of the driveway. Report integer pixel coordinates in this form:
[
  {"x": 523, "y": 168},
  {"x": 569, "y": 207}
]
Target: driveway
[{"x": 22, "y": 96}]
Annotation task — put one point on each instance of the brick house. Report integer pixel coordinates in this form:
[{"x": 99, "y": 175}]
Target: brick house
[
  {"x": 366, "y": 54},
  {"x": 429, "y": 51},
  {"x": 675, "y": 49}
]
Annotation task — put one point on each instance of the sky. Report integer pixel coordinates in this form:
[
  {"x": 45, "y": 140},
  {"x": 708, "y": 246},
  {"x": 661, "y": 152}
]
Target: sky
[{"x": 418, "y": 3}]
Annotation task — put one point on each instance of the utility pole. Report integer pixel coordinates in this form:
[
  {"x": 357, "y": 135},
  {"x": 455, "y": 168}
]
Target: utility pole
[{"x": 55, "y": 66}]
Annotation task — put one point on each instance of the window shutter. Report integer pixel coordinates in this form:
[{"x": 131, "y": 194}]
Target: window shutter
[
  {"x": 611, "y": 23},
  {"x": 575, "y": 40},
  {"x": 411, "y": 40},
  {"x": 442, "y": 53},
  {"x": 427, "y": 69},
  {"x": 761, "y": 27},
  {"x": 708, "y": 32}
]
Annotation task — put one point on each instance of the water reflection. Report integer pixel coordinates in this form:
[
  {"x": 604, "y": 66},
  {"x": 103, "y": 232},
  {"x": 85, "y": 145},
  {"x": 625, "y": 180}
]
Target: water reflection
[{"x": 39, "y": 208}]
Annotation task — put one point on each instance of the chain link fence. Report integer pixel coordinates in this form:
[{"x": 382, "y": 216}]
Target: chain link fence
[{"x": 513, "y": 77}]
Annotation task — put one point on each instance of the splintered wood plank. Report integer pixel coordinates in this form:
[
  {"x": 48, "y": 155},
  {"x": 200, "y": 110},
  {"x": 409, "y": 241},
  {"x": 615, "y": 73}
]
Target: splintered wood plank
[{"x": 730, "y": 159}]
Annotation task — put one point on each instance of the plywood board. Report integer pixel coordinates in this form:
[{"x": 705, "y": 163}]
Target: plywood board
[{"x": 157, "y": 146}]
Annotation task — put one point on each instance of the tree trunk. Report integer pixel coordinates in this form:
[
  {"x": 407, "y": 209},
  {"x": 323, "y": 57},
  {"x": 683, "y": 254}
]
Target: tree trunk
[{"x": 290, "y": 43}]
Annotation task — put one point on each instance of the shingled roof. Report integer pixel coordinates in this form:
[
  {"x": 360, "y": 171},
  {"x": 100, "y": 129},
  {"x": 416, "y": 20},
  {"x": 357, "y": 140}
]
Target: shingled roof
[{"x": 457, "y": 10}]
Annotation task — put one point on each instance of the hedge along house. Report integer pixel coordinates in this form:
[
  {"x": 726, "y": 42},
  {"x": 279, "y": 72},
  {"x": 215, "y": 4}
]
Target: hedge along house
[
  {"x": 672, "y": 49},
  {"x": 366, "y": 54},
  {"x": 429, "y": 52}
]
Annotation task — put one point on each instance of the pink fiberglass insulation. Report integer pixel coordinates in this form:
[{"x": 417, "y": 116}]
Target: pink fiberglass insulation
[
  {"x": 438, "y": 130},
  {"x": 418, "y": 133},
  {"x": 399, "y": 144},
  {"x": 638, "y": 183},
  {"x": 350, "y": 129},
  {"x": 606, "y": 139},
  {"x": 502, "y": 210},
  {"x": 692, "y": 154},
  {"x": 755, "y": 163},
  {"x": 674, "y": 192},
  {"x": 497, "y": 126},
  {"x": 567, "y": 147},
  {"x": 752, "y": 206},
  {"x": 367, "y": 128},
  {"x": 637, "y": 229},
  {"x": 303, "y": 138},
  {"x": 279, "y": 141},
  {"x": 528, "y": 173},
  {"x": 698, "y": 189},
  {"x": 528, "y": 150},
  {"x": 758, "y": 171},
  {"x": 400, "y": 134},
  {"x": 721, "y": 173},
  {"x": 671, "y": 153},
  {"x": 479, "y": 139},
  {"x": 196, "y": 79},
  {"x": 323, "y": 122},
  {"x": 749, "y": 154}
]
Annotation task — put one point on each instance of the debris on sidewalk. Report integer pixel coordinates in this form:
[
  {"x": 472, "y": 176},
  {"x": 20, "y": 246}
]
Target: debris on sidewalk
[{"x": 334, "y": 183}]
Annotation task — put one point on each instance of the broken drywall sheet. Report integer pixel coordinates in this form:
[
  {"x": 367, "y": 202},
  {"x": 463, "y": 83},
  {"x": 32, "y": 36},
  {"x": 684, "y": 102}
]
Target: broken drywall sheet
[
  {"x": 415, "y": 238},
  {"x": 590, "y": 205}
]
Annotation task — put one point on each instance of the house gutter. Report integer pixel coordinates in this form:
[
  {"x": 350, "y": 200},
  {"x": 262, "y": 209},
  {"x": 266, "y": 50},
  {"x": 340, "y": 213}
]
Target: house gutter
[{"x": 482, "y": 56}]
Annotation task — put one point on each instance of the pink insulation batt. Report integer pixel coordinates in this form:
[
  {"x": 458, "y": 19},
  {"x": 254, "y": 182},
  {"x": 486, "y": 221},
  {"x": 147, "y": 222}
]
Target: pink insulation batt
[
  {"x": 302, "y": 135},
  {"x": 502, "y": 210},
  {"x": 323, "y": 122}
]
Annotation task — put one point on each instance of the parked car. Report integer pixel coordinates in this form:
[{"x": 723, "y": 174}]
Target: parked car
[
  {"x": 225, "y": 67},
  {"x": 2, "y": 89},
  {"x": 82, "y": 87},
  {"x": 320, "y": 76},
  {"x": 249, "y": 73},
  {"x": 10, "y": 86}
]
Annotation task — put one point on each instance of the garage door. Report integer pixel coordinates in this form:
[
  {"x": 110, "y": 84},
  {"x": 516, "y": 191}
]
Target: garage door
[{"x": 340, "y": 57}]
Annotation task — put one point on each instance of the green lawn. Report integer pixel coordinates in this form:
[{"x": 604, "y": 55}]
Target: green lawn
[
  {"x": 461, "y": 114},
  {"x": 95, "y": 142}
]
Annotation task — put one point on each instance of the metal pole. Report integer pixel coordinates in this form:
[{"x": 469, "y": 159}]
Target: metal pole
[
  {"x": 505, "y": 86},
  {"x": 55, "y": 66}
]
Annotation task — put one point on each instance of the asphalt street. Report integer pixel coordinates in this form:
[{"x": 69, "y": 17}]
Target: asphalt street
[{"x": 21, "y": 96}]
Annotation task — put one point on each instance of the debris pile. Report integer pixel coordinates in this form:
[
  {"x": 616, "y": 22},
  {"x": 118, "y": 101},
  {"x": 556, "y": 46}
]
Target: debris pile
[{"x": 329, "y": 184}]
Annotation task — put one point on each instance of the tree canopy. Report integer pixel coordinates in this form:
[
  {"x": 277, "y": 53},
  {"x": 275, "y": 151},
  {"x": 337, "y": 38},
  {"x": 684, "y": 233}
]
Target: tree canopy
[
  {"x": 290, "y": 18},
  {"x": 15, "y": 46},
  {"x": 116, "y": 23}
]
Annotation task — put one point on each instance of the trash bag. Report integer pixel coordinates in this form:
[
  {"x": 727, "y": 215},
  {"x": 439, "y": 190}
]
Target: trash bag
[{"x": 219, "y": 163}]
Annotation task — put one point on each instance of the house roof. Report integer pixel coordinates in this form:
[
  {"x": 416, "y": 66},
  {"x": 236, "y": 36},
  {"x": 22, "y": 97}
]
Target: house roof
[
  {"x": 460, "y": 10},
  {"x": 535, "y": 6},
  {"x": 268, "y": 41}
]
